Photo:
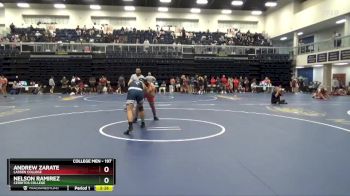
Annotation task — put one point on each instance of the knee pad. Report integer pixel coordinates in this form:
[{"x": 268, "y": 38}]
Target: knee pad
[{"x": 140, "y": 107}]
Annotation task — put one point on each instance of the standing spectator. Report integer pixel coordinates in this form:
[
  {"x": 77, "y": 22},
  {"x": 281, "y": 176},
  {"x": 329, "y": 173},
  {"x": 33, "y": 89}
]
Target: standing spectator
[
  {"x": 52, "y": 84},
  {"x": 172, "y": 85},
  {"x": 64, "y": 83},
  {"x": 212, "y": 84},
  {"x": 224, "y": 83},
  {"x": 200, "y": 85},
  {"x": 178, "y": 86},
  {"x": 335, "y": 85},
  {"x": 150, "y": 78},
  {"x": 230, "y": 85},
  {"x": 205, "y": 84},
  {"x": 218, "y": 84},
  {"x": 121, "y": 84},
  {"x": 235, "y": 84},
  {"x": 294, "y": 85},
  {"x": 3, "y": 85},
  {"x": 241, "y": 84},
  {"x": 73, "y": 82},
  {"x": 12, "y": 28},
  {"x": 246, "y": 84},
  {"x": 103, "y": 81},
  {"x": 92, "y": 82},
  {"x": 253, "y": 85},
  {"x": 191, "y": 89},
  {"x": 337, "y": 39},
  {"x": 186, "y": 84}
]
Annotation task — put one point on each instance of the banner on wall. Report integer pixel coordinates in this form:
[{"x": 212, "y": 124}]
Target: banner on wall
[
  {"x": 311, "y": 58},
  {"x": 345, "y": 55},
  {"x": 322, "y": 57},
  {"x": 333, "y": 56}
]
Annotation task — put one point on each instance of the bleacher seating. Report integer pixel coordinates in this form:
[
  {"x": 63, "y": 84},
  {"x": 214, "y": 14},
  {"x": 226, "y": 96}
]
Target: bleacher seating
[{"x": 136, "y": 36}]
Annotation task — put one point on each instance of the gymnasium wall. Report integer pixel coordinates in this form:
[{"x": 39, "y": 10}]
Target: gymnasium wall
[
  {"x": 145, "y": 17},
  {"x": 292, "y": 16},
  {"x": 328, "y": 33},
  {"x": 318, "y": 72}
]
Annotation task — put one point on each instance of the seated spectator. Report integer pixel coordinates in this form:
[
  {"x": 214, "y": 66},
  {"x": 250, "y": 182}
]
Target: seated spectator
[
  {"x": 253, "y": 86},
  {"x": 162, "y": 87},
  {"x": 339, "y": 92},
  {"x": 15, "y": 89},
  {"x": 276, "y": 96},
  {"x": 321, "y": 94}
]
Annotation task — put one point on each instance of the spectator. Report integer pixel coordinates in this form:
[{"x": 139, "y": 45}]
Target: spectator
[
  {"x": 212, "y": 84},
  {"x": 276, "y": 96},
  {"x": 3, "y": 85},
  {"x": 253, "y": 86},
  {"x": 224, "y": 83},
  {"x": 151, "y": 78},
  {"x": 64, "y": 83},
  {"x": 12, "y": 28},
  {"x": 121, "y": 84},
  {"x": 235, "y": 84},
  {"x": 162, "y": 87},
  {"x": 246, "y": 84},
  {"x": 92, "y": 82},
  {"x": 52, "y": 84},
  {"x": 321, "y": 94},
  {"x": 172, "y": 85}
]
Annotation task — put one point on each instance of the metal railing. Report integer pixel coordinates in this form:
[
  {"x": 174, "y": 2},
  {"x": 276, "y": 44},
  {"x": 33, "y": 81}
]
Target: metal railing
[
  {"x": 328, "y": 44},
  {"x": 219, "y": 50}
]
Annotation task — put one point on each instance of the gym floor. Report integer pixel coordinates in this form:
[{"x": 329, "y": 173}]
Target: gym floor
[{"x": 202, "y": 145}]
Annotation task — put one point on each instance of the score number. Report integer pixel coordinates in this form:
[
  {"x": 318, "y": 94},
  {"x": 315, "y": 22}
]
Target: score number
[{"x": 106, "y": 170}]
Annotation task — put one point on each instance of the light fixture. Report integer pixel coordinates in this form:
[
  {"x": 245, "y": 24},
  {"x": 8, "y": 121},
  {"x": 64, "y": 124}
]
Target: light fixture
[
  {"x": 300, "y": 33},
  {"x": 300, "y": 67},
  {"x": 317, "y": 66},
  {"x": 283, "y": 38},
  {"x": 95, "y": 7},
  {"x": 59, "y": 6},
  {"x": 129, "y": 8},
  {"x": 165, "y": 1},
  {"x": 1, "y": 5},
  {"x": 196, "y": 10},
  {"x": 237, "y": 3},
  {"x": 256, "y": 12},
  {"x": 271, "y": 4},
  {"x": 202, "y": 2},
  {"x": 341, "y": 63},
  {"x": 226, "y": 11},
  {"x": 163, "y": 9},
  {"x": 128, "y": 0},
  {"x": 23, "y": 5},
  {"x": 341, "y": 21}
]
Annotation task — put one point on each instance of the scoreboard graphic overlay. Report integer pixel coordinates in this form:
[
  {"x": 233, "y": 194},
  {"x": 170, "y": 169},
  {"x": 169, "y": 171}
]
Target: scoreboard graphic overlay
[{"x": 78, "y": 174}]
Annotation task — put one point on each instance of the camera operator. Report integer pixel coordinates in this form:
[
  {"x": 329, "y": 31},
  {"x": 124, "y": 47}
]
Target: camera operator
[{"x": 276, "y": 96}]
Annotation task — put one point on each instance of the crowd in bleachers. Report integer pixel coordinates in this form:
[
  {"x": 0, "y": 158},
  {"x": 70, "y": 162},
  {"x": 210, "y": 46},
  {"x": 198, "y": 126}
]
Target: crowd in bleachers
[{"x": 106, "y": 34}]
